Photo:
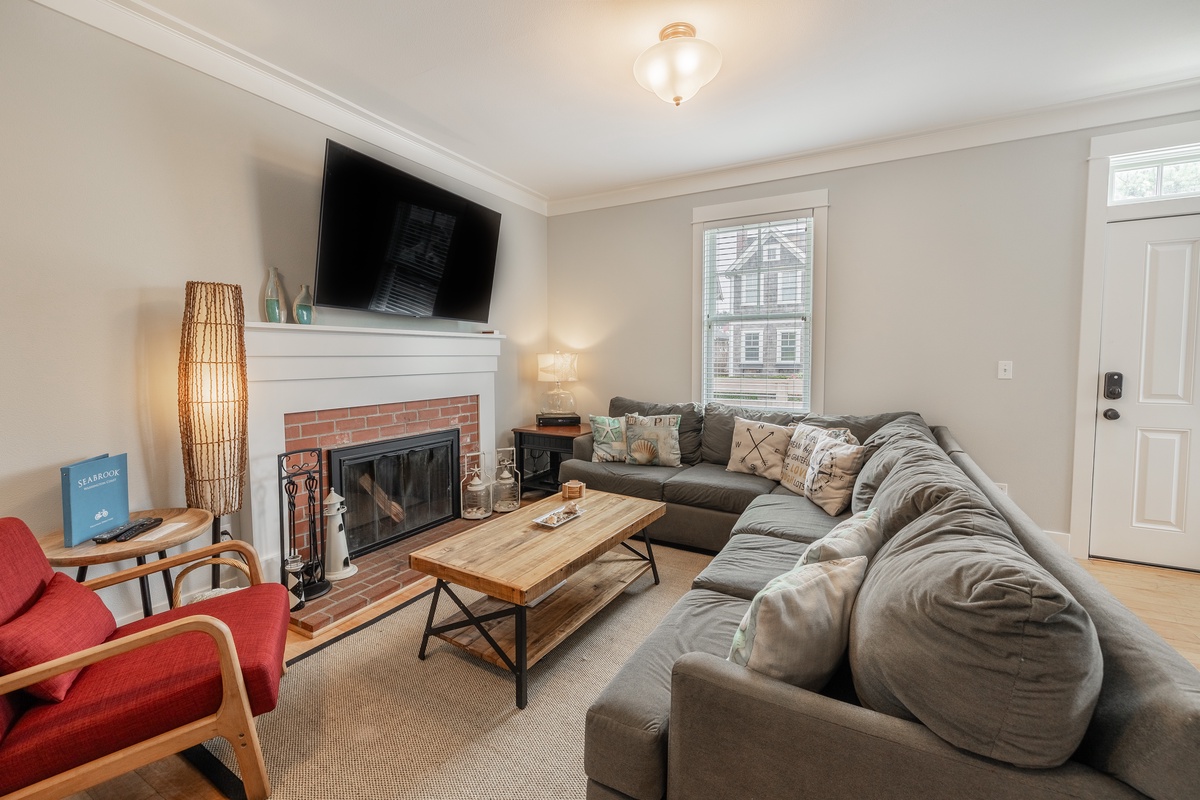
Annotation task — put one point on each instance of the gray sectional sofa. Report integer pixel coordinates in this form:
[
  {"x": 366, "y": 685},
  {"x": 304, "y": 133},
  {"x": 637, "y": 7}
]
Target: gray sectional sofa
[{"x": 975, "y": 645}]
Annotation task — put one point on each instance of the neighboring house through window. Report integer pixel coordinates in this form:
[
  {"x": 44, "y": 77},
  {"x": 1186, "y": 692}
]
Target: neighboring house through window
[{"x": 761, "y": 347}]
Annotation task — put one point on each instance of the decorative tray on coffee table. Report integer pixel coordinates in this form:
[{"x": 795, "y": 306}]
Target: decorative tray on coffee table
[{"x": 558, "y": 516}]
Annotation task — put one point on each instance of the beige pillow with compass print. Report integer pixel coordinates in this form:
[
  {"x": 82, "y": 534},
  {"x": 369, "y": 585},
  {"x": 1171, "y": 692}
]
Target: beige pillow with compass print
[{"x": 758, "y": 448}]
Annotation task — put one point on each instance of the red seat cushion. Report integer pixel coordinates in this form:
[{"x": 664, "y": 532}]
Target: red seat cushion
[
  {"x": 24, "y": 573},
  {"x": 130, "y": 698},
  {"x": 67, "y": 618}
]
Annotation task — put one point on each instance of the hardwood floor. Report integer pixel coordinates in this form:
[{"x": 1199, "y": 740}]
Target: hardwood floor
[{"x": 1167, "y": 600}]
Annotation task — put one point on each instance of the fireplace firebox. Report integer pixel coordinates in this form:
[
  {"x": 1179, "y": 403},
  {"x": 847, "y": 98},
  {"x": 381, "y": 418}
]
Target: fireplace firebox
[{"x": 396, "y": 488}]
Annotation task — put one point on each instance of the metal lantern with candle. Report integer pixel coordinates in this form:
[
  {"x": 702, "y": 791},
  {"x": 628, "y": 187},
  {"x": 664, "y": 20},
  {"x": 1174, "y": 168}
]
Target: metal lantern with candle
[
  {"x": 476, "y": 489},
  {"x": 506, "y": 491}
]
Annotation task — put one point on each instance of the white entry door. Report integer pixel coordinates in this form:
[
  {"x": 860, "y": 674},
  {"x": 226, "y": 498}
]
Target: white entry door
[{"x": 1146, "y": 490}]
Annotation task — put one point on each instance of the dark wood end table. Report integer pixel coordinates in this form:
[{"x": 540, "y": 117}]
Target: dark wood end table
[{"x": 554, "y": 442}]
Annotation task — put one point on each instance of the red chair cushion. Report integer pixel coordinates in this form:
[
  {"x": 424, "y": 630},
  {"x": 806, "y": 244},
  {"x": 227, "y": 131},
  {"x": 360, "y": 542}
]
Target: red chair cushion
[
  {"x": 67, "y": 618},
  {"x": 132, "y": 697}
]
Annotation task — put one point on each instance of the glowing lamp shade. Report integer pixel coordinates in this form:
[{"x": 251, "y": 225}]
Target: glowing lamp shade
[
  {"x": 212, "y": 397},
  {"x": 676, "y": 67},
  {"x": 555, "y": 368}
]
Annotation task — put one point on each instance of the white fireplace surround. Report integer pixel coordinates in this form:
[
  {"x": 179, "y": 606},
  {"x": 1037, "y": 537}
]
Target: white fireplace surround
[{"x": 297, "y": 368}]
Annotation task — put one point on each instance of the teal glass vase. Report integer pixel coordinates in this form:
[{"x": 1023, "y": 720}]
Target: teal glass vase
[
  {"x": 302, "y": 309},
  {"x": 273, "y": 305}
]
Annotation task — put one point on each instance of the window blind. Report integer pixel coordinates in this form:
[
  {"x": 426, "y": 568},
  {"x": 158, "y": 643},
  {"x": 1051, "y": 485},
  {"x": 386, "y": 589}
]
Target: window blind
[{"x": 757, "y": 312}]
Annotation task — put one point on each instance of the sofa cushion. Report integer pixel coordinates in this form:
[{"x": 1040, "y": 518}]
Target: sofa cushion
[
  {"x": 67, "y": 618},
  {"x": 799, "y": 453},
  {"x": 958, "y": 627},
  {"x": 831, "y": 473},
  {"x": 132, "y": 697},
  {"x": 717, "y": 438},
  {"x": 619, "y": 478},
  {"x": 652, "y": 441},
  {"x": 921, "y": 478},
  {"x": 747, "y": 563},
  {"x": 860, "y": 535},
  {"x": 887, "y": 445},
  {"x": 24, "y": 570},
  {"x": 784, "y": 515},
  {"x": 796, "y": 628},
  {"x": 691, "y": 421},
  {"x": 711, "y": 486},
  {"x": 860, "y": 425},
  {"x": 608, "y": 438},
  {"x": 625, "y": 732},
  {"x": 758, "y": 448}
]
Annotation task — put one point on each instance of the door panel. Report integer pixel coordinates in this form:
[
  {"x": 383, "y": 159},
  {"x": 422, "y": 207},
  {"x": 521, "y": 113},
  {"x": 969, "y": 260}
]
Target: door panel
[{"x": 1146, "y": 489}]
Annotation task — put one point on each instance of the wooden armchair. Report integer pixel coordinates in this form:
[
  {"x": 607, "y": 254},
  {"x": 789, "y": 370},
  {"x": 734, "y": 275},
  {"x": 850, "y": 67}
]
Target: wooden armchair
[{"x": 82, "y": 700}]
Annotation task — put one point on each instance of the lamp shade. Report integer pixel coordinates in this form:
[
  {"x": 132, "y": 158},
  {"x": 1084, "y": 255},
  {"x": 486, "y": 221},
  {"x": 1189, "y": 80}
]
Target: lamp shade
[
  {"x": 679, "y": 65},
  {"x": 212, "y": 396},
  {"x": 556, "y": 367}
]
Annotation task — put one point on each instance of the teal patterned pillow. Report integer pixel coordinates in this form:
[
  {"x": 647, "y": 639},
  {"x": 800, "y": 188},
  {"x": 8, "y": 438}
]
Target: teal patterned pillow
[
  {"x": 608, "y": 438},
  {"x": 652, "y": 440}
]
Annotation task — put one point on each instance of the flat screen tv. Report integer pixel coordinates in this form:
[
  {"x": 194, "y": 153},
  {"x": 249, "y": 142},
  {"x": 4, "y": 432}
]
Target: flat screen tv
[{"x": 393, "y": 243}]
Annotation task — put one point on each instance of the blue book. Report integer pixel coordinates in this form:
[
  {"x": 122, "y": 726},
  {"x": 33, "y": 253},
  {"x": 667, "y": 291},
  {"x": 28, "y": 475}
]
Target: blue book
[{"x": 95, "y": 497}]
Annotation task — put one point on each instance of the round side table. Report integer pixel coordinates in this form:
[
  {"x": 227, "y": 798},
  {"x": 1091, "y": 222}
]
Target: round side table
[{"x": 179, "y": 525}]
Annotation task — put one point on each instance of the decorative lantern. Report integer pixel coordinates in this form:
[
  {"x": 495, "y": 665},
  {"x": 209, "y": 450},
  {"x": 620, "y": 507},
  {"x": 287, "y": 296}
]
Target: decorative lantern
[
  {"x": 293, "y": 570},
  {"x": 337, "y": 553},
  {"x": 507, "y": 488},
  {"x": 476, "y": 490}
]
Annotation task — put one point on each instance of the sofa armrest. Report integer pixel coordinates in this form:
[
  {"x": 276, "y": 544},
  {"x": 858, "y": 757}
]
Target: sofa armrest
[
  {"x": 247, "y": 552},
  {"x": 737, "y": 734},
  {"x": 581, "y": 447}
]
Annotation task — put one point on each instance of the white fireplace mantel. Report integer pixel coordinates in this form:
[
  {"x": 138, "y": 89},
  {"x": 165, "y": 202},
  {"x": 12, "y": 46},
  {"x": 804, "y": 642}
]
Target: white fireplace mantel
[{"x": 297, "y": 368}]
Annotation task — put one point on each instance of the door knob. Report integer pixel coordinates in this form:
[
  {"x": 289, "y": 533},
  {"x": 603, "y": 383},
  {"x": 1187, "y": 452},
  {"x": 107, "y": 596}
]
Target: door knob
[{"x": 1112, "y": 413}]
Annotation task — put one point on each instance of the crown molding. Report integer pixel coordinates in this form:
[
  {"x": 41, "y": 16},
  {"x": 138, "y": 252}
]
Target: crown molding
[
  {"x": 148, "y": 28},
  {"x": 1158, "y": 101}
]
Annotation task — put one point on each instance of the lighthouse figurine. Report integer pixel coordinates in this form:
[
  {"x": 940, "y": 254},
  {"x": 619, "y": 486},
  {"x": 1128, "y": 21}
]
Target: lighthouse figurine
[{"x": 337, "y": 561}]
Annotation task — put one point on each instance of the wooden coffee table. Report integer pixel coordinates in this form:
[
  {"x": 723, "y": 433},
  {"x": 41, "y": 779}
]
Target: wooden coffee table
[{"x": 541, "y": 583}]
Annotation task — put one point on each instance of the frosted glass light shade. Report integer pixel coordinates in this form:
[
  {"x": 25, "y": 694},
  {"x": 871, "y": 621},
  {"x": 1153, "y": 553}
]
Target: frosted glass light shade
[{"x": 679, "y": 65}]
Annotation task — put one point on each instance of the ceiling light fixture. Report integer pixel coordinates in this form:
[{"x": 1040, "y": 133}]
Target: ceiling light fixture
[{"x": 676, "y": 67}]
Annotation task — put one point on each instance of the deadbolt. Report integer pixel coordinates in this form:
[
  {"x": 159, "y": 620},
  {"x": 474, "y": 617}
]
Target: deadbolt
[{"x": 1113, "y": 385}]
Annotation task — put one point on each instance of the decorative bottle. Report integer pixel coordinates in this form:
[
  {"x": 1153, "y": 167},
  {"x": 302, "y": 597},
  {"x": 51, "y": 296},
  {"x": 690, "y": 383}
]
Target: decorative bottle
[
  {"x": 302, "y": 309},
  {"x": 276, "y": 309}
]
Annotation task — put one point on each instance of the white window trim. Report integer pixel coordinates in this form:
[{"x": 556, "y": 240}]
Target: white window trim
[
  {"x": 779, "y": 359},
  {"x": 744, "y": 284},
  {"x": 773, "y": 247},
  {"x": 742, "y": 335},
  {"x": 795, "y": 298},
  {"x": 1156, "y": 158},
  {"x": 818, "y": 201}
]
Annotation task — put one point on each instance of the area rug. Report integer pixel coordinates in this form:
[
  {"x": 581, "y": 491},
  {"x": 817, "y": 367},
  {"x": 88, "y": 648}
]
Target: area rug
[{"x": 365, "y": 718}]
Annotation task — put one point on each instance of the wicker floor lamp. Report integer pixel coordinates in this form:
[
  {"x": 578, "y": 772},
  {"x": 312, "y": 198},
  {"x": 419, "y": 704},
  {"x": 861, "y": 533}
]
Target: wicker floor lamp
[{"x": 212, "y": 400}]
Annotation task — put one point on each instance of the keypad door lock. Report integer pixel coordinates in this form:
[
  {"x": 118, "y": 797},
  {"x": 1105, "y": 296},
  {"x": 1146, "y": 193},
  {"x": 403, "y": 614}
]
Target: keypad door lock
[{"x": 1113, "y": 385}]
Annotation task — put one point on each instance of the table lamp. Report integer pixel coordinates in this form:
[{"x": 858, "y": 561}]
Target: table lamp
[{"x": 558, "y": 404}]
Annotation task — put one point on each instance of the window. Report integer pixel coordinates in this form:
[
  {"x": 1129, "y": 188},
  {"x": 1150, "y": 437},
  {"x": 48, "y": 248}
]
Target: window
[
  {"x": 762, "y": 351},
  {"x": 788, "y": 287},
  {"x": 786, "y": 347},
  {"x": 1154, "y": 175},
  {"x": 752, "y": 347}
]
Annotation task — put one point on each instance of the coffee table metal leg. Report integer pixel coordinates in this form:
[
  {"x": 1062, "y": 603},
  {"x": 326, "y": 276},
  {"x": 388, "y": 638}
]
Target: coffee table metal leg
[
  {"x": 522, "y": 669},
  {"x": 650, "y": 555},
  {"x": 437, "y": 591}
]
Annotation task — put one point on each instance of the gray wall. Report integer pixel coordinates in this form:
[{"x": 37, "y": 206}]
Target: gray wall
[
  {"x": 938, "y": 267},
  {"x": 125, "y": 175}
]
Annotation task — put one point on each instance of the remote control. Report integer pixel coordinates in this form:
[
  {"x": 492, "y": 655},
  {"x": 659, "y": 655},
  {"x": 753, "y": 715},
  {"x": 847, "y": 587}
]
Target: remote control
[
  {"x": 108, "y": 536},
  {"x": 141, "y": 527}
]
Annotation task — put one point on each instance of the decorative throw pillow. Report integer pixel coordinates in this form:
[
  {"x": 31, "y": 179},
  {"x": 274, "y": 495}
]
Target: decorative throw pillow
[
  {"x": 67, "y": 618},
  {"x": 797, "y": 627},
  {"x": 799, "y": 452},
  {"x": 758, "y": 448},
  {"x": 831, "y": 472},
  {"x": 608, "y": 438},
  {"x": 652, "y": 440},
  {"x": 861, "y": 535}
]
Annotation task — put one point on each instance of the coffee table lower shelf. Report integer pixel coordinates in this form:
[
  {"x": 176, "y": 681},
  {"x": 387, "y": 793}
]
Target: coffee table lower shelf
[{"x": 554, "y": 618}]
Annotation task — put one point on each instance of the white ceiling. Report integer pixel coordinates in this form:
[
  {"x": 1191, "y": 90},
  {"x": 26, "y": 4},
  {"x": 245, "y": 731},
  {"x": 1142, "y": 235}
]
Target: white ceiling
[{"x": 542, "y": 92}]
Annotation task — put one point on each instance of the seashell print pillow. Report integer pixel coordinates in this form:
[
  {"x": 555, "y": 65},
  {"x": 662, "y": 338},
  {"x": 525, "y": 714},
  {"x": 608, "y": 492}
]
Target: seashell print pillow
[
  {"x": 652, "y": 440},
  {"x": 758, "y": 448},
  {"x": 608, "y": 438}
]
